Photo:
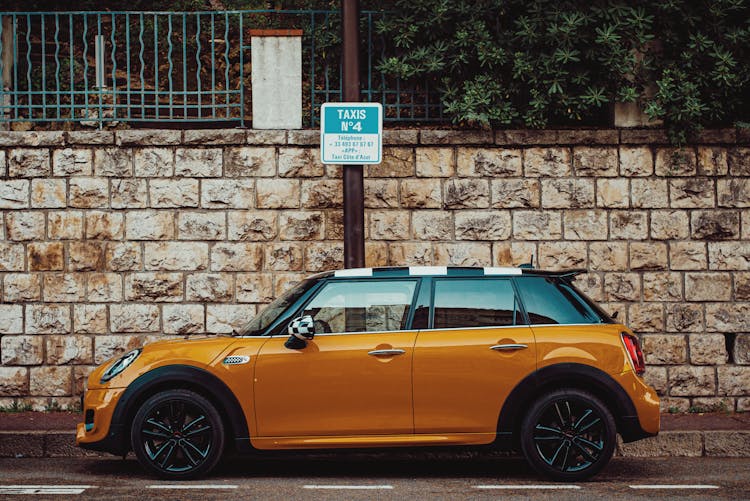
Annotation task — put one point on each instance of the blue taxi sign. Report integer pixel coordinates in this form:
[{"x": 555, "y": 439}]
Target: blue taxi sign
[{"x": 351, "y": 133}]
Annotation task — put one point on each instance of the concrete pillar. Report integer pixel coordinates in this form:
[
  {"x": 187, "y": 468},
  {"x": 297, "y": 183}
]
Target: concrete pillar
[{"x": 276, "y": 79}]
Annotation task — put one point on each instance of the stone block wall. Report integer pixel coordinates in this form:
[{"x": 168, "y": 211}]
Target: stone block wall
[{"x": 111, "y": 239}]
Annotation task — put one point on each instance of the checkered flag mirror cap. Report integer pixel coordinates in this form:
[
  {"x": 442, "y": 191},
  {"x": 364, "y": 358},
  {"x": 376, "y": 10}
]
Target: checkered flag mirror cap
[{"x": 303, "y": 328}]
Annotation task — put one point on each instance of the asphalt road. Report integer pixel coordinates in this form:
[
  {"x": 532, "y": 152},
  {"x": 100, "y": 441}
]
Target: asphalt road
[{"x": 353, "y": 477}]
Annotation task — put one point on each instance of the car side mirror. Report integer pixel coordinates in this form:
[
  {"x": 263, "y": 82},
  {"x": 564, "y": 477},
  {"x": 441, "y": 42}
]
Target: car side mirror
[{"x": 301, "y": 330}]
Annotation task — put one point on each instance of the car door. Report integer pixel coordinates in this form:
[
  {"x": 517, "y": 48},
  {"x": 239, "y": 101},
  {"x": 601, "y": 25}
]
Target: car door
[
  {"x": 474, "y": 353},
  {"x": 354, "y": 377}
]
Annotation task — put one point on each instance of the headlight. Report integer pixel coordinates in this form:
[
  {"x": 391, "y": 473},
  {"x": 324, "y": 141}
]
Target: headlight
[{"x": 120, "y": 365}]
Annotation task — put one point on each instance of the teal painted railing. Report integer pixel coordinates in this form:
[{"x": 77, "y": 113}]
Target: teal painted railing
[{"x": 98, "y": 68}]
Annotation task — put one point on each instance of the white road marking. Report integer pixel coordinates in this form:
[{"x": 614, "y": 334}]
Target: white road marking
[
  {"x": 675, "y": 486},
  {"x": 348, "y": 487},
  {"x": 192, "y": 486},
  {"x": 527, "y": 486},
  {"x": 44, "y": 489}
]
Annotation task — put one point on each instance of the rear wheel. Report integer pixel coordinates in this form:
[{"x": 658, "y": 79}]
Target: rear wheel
[
  {"x": 568, "y": 435},
  {"x": 177, "y": 434}
]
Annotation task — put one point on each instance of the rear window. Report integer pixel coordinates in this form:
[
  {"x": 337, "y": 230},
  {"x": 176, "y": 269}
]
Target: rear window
[
  {"x": 551, "y": 301},
  {"x": 474, "y": 303}
]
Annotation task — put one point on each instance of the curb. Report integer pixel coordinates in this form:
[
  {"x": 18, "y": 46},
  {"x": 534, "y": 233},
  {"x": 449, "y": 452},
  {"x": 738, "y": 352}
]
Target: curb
[{"x": 711, "y": 443}]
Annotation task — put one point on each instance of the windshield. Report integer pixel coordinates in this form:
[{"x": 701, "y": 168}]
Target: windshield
[{"x": 274, "y": 310}]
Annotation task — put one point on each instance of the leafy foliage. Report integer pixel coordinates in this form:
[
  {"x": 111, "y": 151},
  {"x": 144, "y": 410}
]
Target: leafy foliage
[{"x": 538, "y": 63}]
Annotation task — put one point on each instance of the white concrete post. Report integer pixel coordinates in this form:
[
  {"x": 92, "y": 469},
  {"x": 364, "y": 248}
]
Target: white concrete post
[{"x": 276, "y": 79}]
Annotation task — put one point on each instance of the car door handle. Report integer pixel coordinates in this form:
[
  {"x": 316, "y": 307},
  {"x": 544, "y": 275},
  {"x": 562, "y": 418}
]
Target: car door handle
[
  {"x": 508, "y": 347},
  {"x": 385, "y": 353}
]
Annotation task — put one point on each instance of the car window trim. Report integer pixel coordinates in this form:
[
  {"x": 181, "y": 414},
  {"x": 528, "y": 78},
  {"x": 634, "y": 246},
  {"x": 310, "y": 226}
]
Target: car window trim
[{"x": 516, "y": 301}]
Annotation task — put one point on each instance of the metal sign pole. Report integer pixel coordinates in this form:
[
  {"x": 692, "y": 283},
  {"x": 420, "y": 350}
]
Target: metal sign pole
[{"x": 354, "y": 208}]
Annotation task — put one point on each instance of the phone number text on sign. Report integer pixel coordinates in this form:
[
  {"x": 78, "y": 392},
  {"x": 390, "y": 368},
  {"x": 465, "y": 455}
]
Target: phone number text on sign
[{"x": 351, "y": 133}]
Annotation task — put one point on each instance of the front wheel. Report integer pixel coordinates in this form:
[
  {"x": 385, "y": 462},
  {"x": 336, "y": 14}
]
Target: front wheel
[
  {"x": 568, "y": 435},
  {"x": 177, "y": 434}
]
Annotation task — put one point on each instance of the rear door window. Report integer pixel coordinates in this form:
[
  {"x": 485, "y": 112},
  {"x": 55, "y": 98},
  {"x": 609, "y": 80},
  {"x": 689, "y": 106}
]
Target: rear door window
[
  {"x": 549, "y": 302},
  {"x": 474, "y": 303}
]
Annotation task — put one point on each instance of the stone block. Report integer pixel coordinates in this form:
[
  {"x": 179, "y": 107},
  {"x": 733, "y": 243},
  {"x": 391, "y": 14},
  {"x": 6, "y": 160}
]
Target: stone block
[
  {"x": 301, "y": 137},
  {"x": 134, "y": 318},
  {"x": 733, "y": 192},
  {"x": 224, "y": 318},
  {"x": 128, "y": 193},
  {"x": 707, "y": 349},
  {"x": 209, "y": 287},
  {"x": 102, "y": 225},
  {"x": 466, "y": 194},
  {"x": 537, "y": 225},
  {"x": 648, "y": 256},
  {"x": 88, "y": 192},
  {"x": 278, "y": 193},
  {"x": 622, "y": 287},
  {"x": 733, "y": 380},
  {"x": 85, "y": 256},
  {"x": 114, "y": 345},
  {"x": 322, "y": 194},
  {"x": 236, "y": 257},
  {"x": 183, "y": 319},
  {"x": 482, "y": 225},
  {"x": 666, "y": 444},
  {"x": 156, "y": 287},
  {"x": 64, "y": 287},
  {"x": 435, "y": 162},
  {"x": 708, "y": 286},
  {"x": 689, "y": 380},
  {"x": 65, "y": 225},
  {"x": 409, "y": 254},
  {"x": 567, "y": 193},
  {"x": 214, "y": 136},
  {"x": 22, "y": 287},
  {"x": 285, "y": 281},
  {"x": 672, "y": 162},
  {"x": 154, "y": 162},
  {"x": 628, "y": 225},
  {"x": 72, "y": 162},
  {"x": 562, "y": 255},
  {"x": 397, "y": 162},
  {"x": 612, "y": 193},
  {"x": 728, "y": 256},
  {"x": 47, "y": 256},
  {"x": 201, "y": 225},
  {"x": 175, "y": 256},
  {"x": 670, "y": 225},
  {"x": 69, "y": 349},
  {"x": 29, "y": 162},
  {"x": 463, "y": 254},
  {"x": 449, "y": 136},
  {"x": 660, "y": 349},
  {"x": 691, "y": 193},
  {"x": 513, "y": 253},
  {"x": 324, "y": 256},
  {"x": 174, "y": 193},
  {"x": 649, "y": 193},
  {"x": 712, "y": 161},
  {"x": 381, "y": 193},
  {"x": 252, "y": 225},
  {"x": 388, "y": 225},
  {"x": 47, "y": 319},
  {"x": 303, "y": 225},
  {"x": 125, "y": 256},
  {"x": 113, "y": 162},
  {"x": 715, "y": 225},
  {"x": 48, "y": 193},
  {"x": 742, "y": 349},
  {"x": 255, "y": 288},
  {"x": 662, "y": 286},
  {"x": 283, "y": 257},
  {"x": 104, "y": 287},
  {"x": 21, "y": 350},
  {"x": 90, "y": 319},
  {"x": 50, "y": 381},
  {"x": 12, "y": 257},
  {"x": 636, "y": 161},
  {"x": 489, "y": 162},
  {"x": 724, "y": 443},
  {"x": 149, "y": 225},
  {"x": 32, "y": 138},
  {"x": 227, "y": 193},
  {"x": 526, "y": 136},
  {"x": 547, "y": 162},
  {"x": 657, "y": 377},
  {"x": 646, "y": 317},
  {"x": 14, "y": 381},
  {"x": 147, "y": 137},
  {"x": 432, "y": 225},
  {"x": 591, "y": 284},
  {"x": 595, "y": 162},
  {"x": 687, "y": 255},
  {"x": 738, "y": 161},
  {"x": 14, "y": 194},
  {"x": 514, "y": 193},
  {"x": 585, "y": 225},
  {"x": 11, "y": 319},
  {"x": 685, "y": 318},
  {"x": 24, "y": 226},
  {"x": 250, "y": 161},
  {"x": 300, "y": 162},
  {"x": 421, "y": 193},
  {"x": 400, "y": 136}
]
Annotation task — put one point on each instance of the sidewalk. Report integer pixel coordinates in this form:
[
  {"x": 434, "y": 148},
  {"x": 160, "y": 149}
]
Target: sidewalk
[{"x": 52, "y": 434}]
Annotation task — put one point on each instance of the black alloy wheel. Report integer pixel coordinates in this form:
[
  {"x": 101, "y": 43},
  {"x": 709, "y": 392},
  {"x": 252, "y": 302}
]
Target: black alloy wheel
[
  {"x": 568, "y": 435},
  {"x": 177, "y": 434}
]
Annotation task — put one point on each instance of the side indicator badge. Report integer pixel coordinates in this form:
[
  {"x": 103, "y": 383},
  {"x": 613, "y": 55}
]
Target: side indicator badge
[{"x": 236, "y": 360}]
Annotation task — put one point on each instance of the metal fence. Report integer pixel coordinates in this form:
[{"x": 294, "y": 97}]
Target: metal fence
[{"x": 103, "y": 67}]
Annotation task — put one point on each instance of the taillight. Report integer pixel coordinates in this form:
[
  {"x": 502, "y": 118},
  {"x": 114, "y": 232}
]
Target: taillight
[{"x": 633, "y": 347}]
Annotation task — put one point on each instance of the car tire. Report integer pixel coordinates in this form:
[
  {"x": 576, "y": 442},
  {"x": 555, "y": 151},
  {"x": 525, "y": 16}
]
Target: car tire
[
  {"x": 177, "y": 434},
  {"x": 568, "y": 435}
]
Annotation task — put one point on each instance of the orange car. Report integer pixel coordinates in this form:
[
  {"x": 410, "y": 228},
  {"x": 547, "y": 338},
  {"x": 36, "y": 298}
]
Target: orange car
[{"x": 387, "y": 357}]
